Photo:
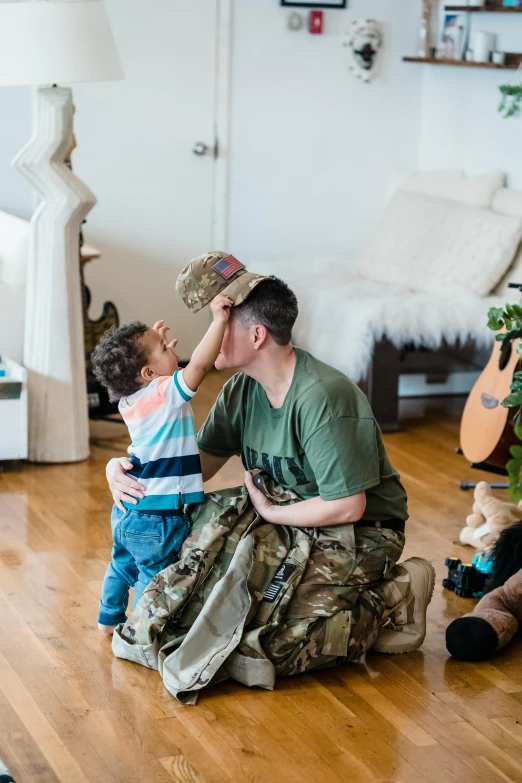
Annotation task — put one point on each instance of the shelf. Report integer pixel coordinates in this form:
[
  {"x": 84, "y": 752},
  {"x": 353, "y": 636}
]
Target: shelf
[
  {"x": 485, "y": 9},
  {"x": 513, "y": 60}
]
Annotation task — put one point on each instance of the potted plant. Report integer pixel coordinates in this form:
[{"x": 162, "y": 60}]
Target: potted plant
[{"x": 509, "y": 318}]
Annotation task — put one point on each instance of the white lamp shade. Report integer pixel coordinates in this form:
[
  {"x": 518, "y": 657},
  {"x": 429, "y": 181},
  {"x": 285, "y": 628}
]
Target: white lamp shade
[{"x": 50, "y": 42}]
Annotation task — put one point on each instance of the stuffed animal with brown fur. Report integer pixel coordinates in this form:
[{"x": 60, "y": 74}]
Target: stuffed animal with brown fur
[{"x": 489, "y": 517}]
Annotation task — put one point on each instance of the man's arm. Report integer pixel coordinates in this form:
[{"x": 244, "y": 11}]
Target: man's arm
[
  {"x": 315, "y": 512},
  {"x": 210, "y": 464}
]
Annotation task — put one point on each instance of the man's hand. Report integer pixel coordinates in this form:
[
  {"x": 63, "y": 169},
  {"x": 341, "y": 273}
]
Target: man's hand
[
  {"x": 263, "y": 506},
  {"x": 314, "y": 512},
  {"x": 220, "y": 307},
  {"x": 123, "y": 487}
]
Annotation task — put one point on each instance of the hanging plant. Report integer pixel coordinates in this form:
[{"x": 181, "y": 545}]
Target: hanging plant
[{"x": 511, "y": 97}]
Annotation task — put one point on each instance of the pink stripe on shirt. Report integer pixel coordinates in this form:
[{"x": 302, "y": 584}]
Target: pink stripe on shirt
[{"x": 147, "y": 404}]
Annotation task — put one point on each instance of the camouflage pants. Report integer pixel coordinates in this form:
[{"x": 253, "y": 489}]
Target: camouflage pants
[
  {"x": 336, "y": 609},
  {"x": 252, "y": 600}
]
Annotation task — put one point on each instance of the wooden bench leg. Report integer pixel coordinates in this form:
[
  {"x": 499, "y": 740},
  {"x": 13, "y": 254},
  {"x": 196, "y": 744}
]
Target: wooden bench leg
[{"x": 383, "y": 385}]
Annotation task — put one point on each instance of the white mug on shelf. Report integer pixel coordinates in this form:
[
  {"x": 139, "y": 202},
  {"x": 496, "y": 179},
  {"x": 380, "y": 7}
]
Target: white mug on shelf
[
  {"x": 475, "y": 3},
  {"x": 468, "y": 56},
  {"x": 499, "y": 58},
  {"x": 483, "y": 44}
]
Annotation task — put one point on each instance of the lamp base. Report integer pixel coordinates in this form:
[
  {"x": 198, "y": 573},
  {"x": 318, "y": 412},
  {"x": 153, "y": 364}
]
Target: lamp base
[{"x": 53, "y": 340}]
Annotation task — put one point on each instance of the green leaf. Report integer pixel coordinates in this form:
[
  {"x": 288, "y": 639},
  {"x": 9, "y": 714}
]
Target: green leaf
[
  {"x": 512, "y": 400},
  {"x": 516, "y": 452},
  {"x": 495, "y": 318},
  {"x": 514, "y": 469},
  {"x": 514, "y": 310},
  {"x": 516, "y": 427}
]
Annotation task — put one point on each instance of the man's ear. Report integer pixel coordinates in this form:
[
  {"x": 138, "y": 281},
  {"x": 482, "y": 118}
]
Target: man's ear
[
  {"x": 260, "y": 335},
  {"x": 148, "y": 374}
]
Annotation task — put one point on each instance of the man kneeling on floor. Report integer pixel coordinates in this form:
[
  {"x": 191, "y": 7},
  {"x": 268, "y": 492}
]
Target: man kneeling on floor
[{"x": 312, "y": 430}]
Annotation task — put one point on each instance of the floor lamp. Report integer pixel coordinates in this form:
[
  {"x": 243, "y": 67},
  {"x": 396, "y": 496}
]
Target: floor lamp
[{"x": 43, "y": 43}]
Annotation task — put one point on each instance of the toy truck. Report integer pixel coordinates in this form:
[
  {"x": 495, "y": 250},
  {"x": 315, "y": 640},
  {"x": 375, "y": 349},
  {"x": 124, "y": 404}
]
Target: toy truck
[{"x": 468, "y": 580}]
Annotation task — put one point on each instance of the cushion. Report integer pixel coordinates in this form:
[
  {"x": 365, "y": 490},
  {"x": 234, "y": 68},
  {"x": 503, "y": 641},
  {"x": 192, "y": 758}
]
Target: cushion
[
  {"x": 437, "y": 245},
  {"x": 475, "y": 191},
  {"x": 509, "y": 202}
]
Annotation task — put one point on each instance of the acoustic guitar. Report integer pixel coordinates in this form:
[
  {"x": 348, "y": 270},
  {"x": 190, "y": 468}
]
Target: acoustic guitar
[
  {"x": 97, "y": 398},
  {"x": 486, "y": 429}
]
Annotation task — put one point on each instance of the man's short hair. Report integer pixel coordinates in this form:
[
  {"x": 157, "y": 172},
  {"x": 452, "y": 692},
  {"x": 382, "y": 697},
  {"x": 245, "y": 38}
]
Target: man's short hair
[
  {"x": 273, "y": 305},
  {"x": 118, "y": 359}
]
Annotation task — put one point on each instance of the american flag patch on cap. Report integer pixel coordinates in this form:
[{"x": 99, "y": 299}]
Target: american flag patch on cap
[{"x": 228, "y": 266}]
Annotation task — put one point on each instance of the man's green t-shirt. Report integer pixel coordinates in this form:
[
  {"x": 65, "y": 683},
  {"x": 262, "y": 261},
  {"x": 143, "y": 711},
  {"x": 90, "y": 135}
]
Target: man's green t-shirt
[{"x": 323, "y": 440}]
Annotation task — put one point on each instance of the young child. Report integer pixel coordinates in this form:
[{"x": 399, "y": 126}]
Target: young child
[{"x": 140, "y": 368}]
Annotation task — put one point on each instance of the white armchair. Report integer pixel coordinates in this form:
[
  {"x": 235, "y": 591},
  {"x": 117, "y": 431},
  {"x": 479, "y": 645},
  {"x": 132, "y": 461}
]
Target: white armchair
[{"x": 14, "y": 245}]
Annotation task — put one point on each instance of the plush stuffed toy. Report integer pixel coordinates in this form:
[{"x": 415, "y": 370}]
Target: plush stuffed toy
[
  {"x": 498, "y": 615},
  {"x": 490, "y": 516}
]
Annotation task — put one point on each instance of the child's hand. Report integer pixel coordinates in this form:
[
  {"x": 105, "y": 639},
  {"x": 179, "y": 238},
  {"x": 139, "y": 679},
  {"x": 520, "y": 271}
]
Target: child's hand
[
  {"x": 162, "y": 330},
  {"x": 220, "y": 307}
]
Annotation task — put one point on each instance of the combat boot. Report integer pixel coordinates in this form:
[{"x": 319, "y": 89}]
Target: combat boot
[{"x": 405, "y": 627}]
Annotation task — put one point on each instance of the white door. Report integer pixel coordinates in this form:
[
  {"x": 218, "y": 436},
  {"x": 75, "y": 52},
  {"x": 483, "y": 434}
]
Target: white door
[{"x": 135, "y": 151}]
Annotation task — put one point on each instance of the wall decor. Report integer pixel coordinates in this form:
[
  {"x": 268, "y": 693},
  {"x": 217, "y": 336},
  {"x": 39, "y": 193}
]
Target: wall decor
[
  {"x": 453, "y": 37},
  {"x": 426, "y": 29},
  {"x": 322, "y": 4},
  {"x": 363, "y": 42},
  {"x": 483, "y": 44}
]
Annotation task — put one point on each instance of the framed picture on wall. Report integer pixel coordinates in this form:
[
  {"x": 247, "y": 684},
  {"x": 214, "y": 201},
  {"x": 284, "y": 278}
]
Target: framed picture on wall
[
  {"x": 453, "y": 37},
  {"x": 322, "y": 4}
]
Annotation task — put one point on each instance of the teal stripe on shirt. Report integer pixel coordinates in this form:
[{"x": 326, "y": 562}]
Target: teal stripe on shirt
[
  {"x": 178, "y": 387},
  {"x": 179, "y": 428},
  {"x": 166, "y": 502}
]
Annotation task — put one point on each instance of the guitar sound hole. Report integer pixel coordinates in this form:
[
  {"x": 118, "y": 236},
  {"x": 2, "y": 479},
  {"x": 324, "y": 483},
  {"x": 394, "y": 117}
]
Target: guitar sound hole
[{"x": 505, "y": 356}]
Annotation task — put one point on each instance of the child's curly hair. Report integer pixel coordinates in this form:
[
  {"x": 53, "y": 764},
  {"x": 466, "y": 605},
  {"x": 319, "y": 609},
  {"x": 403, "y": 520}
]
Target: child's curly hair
[{"x": 118, "y": 358}]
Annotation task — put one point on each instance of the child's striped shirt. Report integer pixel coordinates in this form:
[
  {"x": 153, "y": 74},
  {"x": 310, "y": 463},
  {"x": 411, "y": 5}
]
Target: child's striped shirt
[{"x": 164, "y": 451}]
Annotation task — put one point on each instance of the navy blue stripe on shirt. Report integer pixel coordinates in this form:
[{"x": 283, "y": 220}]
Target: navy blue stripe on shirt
[{"x": 186, "y": 465}]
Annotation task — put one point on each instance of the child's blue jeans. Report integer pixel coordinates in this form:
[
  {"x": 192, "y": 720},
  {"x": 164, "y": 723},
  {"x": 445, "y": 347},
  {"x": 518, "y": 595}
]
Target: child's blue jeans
[{"x": 144, "y": 544}]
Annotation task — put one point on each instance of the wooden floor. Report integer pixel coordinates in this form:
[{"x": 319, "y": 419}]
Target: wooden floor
[{"x": 70, "y": 711}]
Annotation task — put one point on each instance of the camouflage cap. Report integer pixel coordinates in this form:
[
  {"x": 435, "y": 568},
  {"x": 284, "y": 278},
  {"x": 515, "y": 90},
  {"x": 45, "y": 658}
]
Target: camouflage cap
[{"x": 212, "y": 274}]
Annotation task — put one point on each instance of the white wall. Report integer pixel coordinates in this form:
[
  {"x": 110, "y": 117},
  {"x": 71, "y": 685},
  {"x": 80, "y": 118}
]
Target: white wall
[
  {"x": 460, "y": 124},
  {"x": 313, "y": 149}
]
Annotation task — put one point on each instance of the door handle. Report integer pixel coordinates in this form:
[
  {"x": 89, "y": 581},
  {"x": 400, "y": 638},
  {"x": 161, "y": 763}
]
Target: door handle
[{"x": 200, "y": 148}]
